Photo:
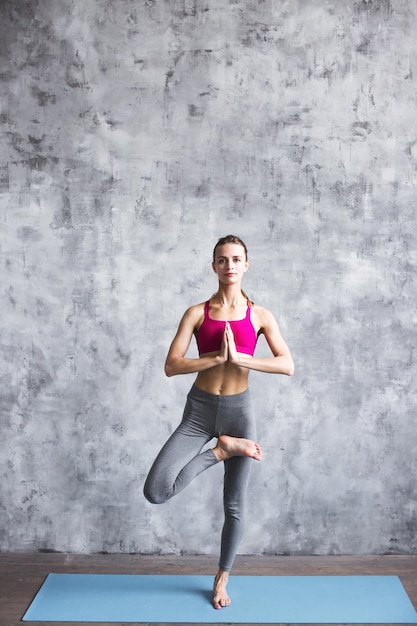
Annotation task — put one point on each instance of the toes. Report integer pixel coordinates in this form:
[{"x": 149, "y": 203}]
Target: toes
[
  {"x": 258, "y": 453},
  {"x": 220, "y": 602}
]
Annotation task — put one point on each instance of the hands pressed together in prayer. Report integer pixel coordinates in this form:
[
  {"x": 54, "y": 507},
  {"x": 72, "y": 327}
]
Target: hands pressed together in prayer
[{"x": 228, "y": 350}]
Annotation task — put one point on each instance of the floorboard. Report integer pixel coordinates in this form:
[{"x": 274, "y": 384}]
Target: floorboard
[{"x": 21, "y": 575}]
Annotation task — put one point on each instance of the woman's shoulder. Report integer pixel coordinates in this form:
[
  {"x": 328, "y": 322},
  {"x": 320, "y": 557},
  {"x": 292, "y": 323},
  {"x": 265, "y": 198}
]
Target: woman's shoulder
[
  {"x": 195, "y": 311},
  {"x": 262, "y": 315}
]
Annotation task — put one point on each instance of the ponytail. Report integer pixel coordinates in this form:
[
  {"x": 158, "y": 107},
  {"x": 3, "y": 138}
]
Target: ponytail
[{"x": 250, "y": 303}]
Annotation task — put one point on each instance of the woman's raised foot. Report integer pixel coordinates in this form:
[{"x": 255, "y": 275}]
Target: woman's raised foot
[{"x": 227, "y": 447}]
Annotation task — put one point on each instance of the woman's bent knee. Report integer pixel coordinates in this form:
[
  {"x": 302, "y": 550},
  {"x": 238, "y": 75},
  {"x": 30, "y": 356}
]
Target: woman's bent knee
[{"x": 154, "y": 496}]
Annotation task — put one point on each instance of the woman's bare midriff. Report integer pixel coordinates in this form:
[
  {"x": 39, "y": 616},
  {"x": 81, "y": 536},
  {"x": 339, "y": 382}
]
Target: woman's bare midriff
[{"x": 225, "y": 380}]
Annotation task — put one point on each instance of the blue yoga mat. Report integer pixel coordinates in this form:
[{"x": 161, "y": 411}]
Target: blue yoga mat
[{"x": 255, "y": 599}]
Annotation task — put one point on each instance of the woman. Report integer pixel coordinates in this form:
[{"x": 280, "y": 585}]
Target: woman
[{"x": 226, "y": 328}]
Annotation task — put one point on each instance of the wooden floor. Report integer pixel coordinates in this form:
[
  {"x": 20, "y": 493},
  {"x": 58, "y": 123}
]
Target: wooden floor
[{"x": 21, "y": 575}]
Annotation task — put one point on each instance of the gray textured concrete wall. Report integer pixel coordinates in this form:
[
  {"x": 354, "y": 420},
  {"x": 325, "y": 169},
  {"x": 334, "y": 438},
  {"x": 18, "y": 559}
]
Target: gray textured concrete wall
[{"x": 134, "y": 134}]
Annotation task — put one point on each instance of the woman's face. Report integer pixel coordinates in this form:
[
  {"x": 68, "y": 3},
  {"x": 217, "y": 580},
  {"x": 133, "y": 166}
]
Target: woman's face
[{"x": 230, "y": 263}]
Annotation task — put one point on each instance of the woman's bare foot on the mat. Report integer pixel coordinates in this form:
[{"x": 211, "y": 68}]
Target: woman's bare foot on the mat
[
  {"x": 227, "y": 447},
  {"x": 220, "y": 597}
]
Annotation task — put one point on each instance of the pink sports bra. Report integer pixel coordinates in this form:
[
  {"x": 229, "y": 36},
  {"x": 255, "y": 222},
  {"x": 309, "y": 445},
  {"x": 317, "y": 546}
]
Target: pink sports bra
[{"x": 210, "y": 334}]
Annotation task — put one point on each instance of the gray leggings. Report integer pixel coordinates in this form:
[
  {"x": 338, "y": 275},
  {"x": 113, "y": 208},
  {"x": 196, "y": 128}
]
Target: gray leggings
[{"x": 206, "y": 416}]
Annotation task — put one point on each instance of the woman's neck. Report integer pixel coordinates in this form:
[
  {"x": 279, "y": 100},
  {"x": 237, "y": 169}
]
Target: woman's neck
[{"x": 229, "y": 296}]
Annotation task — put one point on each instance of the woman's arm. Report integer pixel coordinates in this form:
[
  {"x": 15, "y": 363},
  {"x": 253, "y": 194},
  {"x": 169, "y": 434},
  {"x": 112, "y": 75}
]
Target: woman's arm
[
  {"x": 280, "y": 363},
  {"x": 176, "y": 361}
]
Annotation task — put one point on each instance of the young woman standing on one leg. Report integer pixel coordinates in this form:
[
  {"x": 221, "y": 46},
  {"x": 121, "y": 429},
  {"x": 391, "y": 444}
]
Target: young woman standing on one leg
[{"x": 218, "y": 405}]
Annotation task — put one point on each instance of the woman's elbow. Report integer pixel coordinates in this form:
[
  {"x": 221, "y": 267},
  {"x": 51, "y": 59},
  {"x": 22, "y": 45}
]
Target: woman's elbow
[
  {"x": 168, "y": 370},
  {"x": 171, "y": 367},
  {"x": 290, "y": 371},
  {"x": 290, "y": 368}
]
